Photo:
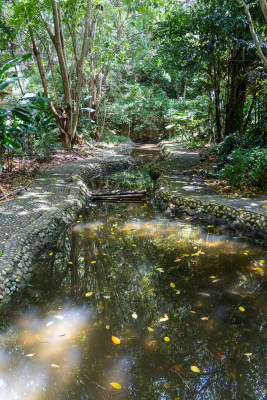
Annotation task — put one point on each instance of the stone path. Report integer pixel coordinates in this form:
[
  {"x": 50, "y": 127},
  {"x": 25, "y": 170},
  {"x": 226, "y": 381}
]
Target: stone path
[{"x": 182, "y": 181}]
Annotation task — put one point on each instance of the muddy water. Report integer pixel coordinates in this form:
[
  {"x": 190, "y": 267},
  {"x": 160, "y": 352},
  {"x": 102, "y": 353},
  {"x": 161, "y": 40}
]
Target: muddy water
[{"x": 129, "y": 304}]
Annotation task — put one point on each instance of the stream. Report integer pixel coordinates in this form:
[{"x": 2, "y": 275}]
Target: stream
[{"x": 130, "y": 303}]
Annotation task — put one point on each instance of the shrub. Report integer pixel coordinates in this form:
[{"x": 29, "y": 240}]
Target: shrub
[{"x": 246, "y": 167}]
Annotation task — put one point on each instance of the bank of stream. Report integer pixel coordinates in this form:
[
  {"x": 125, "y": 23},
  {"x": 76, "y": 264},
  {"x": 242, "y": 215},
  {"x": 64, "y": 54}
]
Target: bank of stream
[{"x": 133, "y": 304}]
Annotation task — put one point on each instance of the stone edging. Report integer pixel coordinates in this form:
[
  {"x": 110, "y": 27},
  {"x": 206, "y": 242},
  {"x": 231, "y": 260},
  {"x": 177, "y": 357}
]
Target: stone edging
[
  {"x": 16, "y": 270},
  {"x": 245, "y": 220}
]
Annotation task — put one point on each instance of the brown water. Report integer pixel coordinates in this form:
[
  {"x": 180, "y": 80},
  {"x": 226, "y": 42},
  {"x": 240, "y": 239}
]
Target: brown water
[{"x": 132, "y": 305}]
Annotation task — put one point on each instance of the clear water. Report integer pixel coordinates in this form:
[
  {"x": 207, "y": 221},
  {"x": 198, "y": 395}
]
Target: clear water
[{"x": 129, "y": 304}]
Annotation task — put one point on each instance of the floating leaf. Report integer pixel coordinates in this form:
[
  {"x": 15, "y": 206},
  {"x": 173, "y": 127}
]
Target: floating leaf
[
  {"x": 177, "y": 291},
  {"x": 167, "y": 339},
  {"x": 106, "y": 297},
  {"x": 177, "y": 260},
  {"x": 115, "y": 340},
  {"x": 50, "y": 254},
  {"x": 88, "y": 294},
  {"x": 50, "y": 323},
  {"x": 150, "y": 329},
  {"x": 192, "y": 312},
  {"x": 134, "y": 315},
  {"x": 59, "y": 317},
  {"x": 115, "y": 385},
  {"x": 204, "y": 318},
  {"x": 186, "y": 255},
  {"x": 107, "y": 326},
  {"x": 172, "y": 285},
  {"x": 160, "y": 269},
  {"x": 93, "y": 262},
  {"x": 262, "y": 261},
  {"x": 212, "y": 277},
  {"x": 241, "y": 308},
  {"x": 248, "y": 354},
  {"x": 30, "y": 355},
  {"x": 134, "y": 245},
  {"x": 195, "y": 369},
  {"x": 70, "y": 262},
  {"x": 55, "y": 366}
]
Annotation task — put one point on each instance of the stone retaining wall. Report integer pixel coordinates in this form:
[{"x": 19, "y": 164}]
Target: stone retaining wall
[
  {"x": 245, "y": 220},
  {"x": 16, "y": 262}
]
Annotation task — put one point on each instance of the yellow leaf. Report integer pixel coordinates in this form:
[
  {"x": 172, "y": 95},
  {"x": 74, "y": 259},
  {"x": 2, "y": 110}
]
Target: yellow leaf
[
  {"x": 167, "y": 339},
  {"x": 262, "y": 261},
  {"x": 134, "y": 245},
  {"x": 248, "y": 354},
  {"x": 30, "y": 355},
  {"x": 150, "y": 329},
  {"x": 107, "y": 326},
  {"x": 163, "y": 319},
  {"x": 70, "y": 262},
  {"x": 93, "y": 262},
  {"x": 186, "y": 255},
  {"x": 172, "y": 285},
  {"x": 115, "y": 340},
  {"x": 241, "y": 308},
  {"x": 50, "y": 254},
  {"x": 55, "y": 366},
  {"x": 134, "y": 315},
  {"x": 177, "y": 260},
  {"x": 204, "y": 318},
  {"x": 212, "y": 277},
  {"x": 106, "y": 297},
  {"x": 195, "y": 369},
  {"x": 115, "y": 385},
  {"x": 88, "y": 294}
]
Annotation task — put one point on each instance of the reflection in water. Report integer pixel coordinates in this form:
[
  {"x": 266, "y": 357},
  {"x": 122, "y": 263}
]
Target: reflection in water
[{"x": 130, "y": 305}]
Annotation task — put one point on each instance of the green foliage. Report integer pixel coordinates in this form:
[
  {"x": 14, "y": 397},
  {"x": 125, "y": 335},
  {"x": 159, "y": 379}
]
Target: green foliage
[
  {"x": 110, "y": 136},
  {"x": 246, "y": 167}
]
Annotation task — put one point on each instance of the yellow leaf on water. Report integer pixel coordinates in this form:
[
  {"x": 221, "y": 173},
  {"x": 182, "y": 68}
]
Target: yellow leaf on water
[
  {"x": 212, "y": 277},
  {"x": 115, "y": 385},
  {"x": 55, "y": 366},
  {"x": 70, "y": 262},
  {"x": 241, "y": 308},
  {"x": 248, "y": 354},
  {"x": 164, "y": 319},
  {"x": 167, "y": 339},
  {"x": 186, "y": 255},
  {"x": 134, "y": 315},
  {"x": 50, "y": 254},
  {"x": 172, "y": 285},
  {"x": 195, "y": 369},
  {"x": 150, "y": 329},
  {"x": 204, "y": 318},
  {"x": 177, "y": 260},
  {"x": 88, "y": 294},
  {"x": 93, "y": 262},
  {"x": 115, "y": 340},
  {"x": 262, "y": 261}
]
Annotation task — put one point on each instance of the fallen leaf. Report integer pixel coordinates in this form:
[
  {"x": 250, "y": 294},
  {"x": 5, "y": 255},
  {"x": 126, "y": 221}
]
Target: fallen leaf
[
  {"x": 212, "y": 277},
  {"x": 160, "y": 269},
  {"x": 186, "y": 255},
  {"x": 134, "y": 245},
  {"x": 115, "y": 340},
  {"x": 106, "y": 297},
  {"x": 50, "y": 254},
  {"x": 70, "y": 262},
  {"x": 88, "y": 294},
  {"x": 241, "y": 308},
  {"x": 115, "y": 385},
  {"x": 204, "y": 318},
  {"x": 50, "y": 323},
  {"x": 167, "y": 339},
  {"x": 262, "y": 261},
  {"x": 177, "y": 291},
  {"x": 164, "y": 318},
  {"x": 134, "y": 315},
  {"x": 107, "y": 326},
  {"x": 248, "y": 354},
  {"x": 93, "y": 262},
  {"x": 172, "y": 285},
  {"x": 55, "y": 366},
  {"x": 192, "y": 312},
  {"x": 195, "y": 369},
  {"x": 176, "y": 369},
  {"x": 150, "y": 329},
  {"x": 30, "y": 355},
  {"x": 59, "y": 317},
  {"x": 177, "y": 260}
]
